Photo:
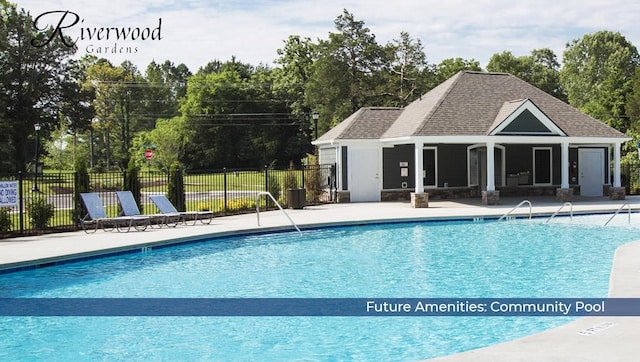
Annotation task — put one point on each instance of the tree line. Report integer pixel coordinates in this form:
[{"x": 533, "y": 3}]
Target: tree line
[{"x": 234, "y": 114}]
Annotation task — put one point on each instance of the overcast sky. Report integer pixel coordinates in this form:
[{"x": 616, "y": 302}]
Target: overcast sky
[{"x": 195, "y": 32}]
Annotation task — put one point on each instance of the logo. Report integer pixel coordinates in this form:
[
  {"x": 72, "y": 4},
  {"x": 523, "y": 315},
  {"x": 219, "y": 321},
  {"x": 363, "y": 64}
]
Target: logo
[{"x": 64, "y": 23}]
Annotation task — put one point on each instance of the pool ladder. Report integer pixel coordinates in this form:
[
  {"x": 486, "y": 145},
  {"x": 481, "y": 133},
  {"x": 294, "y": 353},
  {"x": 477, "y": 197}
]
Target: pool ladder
[
  {"x": 517, "y": 206},
  {"x": 560, "y": 209},
  {"x": 280, "y": 207},
  {"x": 618, "y": 211}
]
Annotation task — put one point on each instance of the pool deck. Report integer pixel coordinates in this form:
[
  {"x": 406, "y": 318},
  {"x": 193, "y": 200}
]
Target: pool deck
[{"x": 618, "y": 342}]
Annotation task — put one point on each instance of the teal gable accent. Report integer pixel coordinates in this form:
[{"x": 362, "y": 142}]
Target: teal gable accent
[{"x": 525, "y": 123}]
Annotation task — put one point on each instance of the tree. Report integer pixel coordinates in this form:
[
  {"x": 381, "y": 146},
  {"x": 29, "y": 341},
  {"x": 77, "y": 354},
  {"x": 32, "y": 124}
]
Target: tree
[
  {"x": 597, "y": 76},
  {"x": 450, "y": 67},
  {"x": 540, "y": 69},
  {"x": 35, "y": 77},
  {"x": 290, "y": 81},
  {"x": 408, "y": 71},
  {"x": 347, "y": 72},
  {"x": 233, "y": 119}
]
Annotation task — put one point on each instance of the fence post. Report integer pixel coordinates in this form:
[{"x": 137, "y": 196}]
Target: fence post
[
  {"x": 266, "y": 185},
  {"x": 21, "y": 206},
  {"x": 224, "y": 187}
]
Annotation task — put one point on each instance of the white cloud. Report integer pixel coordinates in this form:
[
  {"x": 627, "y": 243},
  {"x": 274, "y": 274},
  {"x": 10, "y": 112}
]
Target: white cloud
[{"x": 197, "y": 31}]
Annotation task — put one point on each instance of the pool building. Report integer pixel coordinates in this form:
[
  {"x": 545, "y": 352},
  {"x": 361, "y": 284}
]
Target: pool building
[{"x": 477, "y": 134}]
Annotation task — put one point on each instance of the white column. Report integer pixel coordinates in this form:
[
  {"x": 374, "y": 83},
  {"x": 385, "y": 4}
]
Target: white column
[
  {"x": 419, "y": 166},
  {"x": 564, "y": 165},
  {"x": 491, "y": 167},
  {"x": 616, "y": 165}
]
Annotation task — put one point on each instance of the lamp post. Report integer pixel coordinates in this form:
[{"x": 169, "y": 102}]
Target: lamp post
[
  {"x": 37, "y": 127},
  {"x": 315, "y": 115}
]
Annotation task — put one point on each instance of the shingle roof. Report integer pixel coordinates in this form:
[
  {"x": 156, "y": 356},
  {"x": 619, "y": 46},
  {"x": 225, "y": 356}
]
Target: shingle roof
[
  {"x": 469, "y": 103},
  {"x": 366, "y": 123}
]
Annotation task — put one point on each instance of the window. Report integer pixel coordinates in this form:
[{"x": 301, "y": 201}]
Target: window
[{"x": 542, "y": 166}]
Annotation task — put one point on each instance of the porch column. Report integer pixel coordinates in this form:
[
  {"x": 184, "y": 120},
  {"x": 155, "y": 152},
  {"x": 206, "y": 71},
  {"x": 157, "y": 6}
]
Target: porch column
[
  {"x": 564, "y": 165},
  {"x": 491, "y": 166},
  {"x": 419, "y": 198},
  {"x": 564, "y": 193},
  {"x": 616, "y": 165},
  {"x": 491, "y": 196},
  {"x": 617, "y": 192},
  {"x": 419, "y": 166}
]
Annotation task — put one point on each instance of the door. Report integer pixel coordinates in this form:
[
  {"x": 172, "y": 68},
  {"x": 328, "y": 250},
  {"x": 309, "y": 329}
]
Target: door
[
  {"x": 364, "y": 167},
  {"x": 591, "y": 171}
]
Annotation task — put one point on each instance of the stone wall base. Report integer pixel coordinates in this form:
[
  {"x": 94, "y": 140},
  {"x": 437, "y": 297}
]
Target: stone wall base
[
  {"x": 564, "y": 195},
  {"x": 617, "y": 193},
  {"x": 490, "y": 197},
  {"x": 419, "y": 200}
]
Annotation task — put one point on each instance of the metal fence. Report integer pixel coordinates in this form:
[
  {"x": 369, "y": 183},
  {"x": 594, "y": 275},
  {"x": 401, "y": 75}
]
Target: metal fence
[{"x": 224, "y": 192}]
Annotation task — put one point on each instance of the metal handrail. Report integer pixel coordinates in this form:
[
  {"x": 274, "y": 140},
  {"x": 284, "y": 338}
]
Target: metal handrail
[
  {"x": 280, "y": 207},
  {"x": 517, "y": 206},
  {"x": 618, "y": 211},
  {"x": 558, "y": 211}
]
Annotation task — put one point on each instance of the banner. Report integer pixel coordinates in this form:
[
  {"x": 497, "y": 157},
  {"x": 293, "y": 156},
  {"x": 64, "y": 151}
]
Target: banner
[{"x": 317, "y": 307}]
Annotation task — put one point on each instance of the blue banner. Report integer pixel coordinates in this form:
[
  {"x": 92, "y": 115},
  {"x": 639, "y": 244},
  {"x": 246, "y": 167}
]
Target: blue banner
[{"x": 318, "y": 307}]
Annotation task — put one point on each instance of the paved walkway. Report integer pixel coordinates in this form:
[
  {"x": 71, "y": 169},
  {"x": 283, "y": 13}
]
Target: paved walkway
[{"x": 619, "y": 342}]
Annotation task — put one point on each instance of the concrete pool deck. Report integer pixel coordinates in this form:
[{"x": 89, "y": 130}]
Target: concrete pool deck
[{"x": 617, "y": 342}]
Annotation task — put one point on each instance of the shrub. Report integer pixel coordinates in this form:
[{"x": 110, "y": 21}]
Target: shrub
[
  {"x": 132, "y": 182},
  {"x": 81, "y": 180},
  {"x": 5, "y": 220},
  {"x": 41, "y": 212},
  {"x": 175, "y": 186}
]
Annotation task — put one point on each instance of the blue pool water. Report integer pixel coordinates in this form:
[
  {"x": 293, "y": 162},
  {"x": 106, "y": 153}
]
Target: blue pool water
[{"x": 412, "y": 260}]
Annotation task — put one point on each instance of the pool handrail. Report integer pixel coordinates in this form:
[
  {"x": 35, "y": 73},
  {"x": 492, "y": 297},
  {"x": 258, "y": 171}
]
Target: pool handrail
[
  {"x": 280, "y": 207},
  {"x": 517, "y": 206},
  {"x": 618, "y": 211},
  {"x": 559, "y": 209}
]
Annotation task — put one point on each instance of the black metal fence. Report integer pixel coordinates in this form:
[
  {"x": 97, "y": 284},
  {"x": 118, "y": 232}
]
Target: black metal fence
[{"x": 225, "y": 192}]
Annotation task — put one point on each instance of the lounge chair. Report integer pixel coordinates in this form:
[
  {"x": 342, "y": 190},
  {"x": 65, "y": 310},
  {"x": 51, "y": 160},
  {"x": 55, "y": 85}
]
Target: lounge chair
[
  {"x": 97, "y": 216},
  {"x": 130, "y": 208},
  {"x": 166, "y": 207}
]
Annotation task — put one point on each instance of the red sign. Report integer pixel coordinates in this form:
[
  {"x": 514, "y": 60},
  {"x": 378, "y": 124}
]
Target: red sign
[{"x": 148, "y": 154}]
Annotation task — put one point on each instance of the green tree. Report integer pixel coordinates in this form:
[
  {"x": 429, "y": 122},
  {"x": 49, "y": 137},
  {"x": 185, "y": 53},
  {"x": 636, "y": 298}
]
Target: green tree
[
  {"x": 408, "y": 71},
  {"x": 451, "y": 66},
  {"x": 290, "y": 81},
  {"x": 168, "y": 140},
  {"x": 540, "y": 69},
  {"x": 597, "y": 76},
  {"x": 35, "y": 76},
  {"x": 347, "y": 72},
  {"x": 233, "y": 118}
]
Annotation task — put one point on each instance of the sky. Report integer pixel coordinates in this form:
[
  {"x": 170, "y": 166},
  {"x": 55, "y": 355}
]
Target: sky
[{"x": 195, "y": 32}]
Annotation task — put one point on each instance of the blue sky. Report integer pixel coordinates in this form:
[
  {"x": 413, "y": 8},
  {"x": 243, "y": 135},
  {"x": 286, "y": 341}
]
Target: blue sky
[{"x": 195, "y": 32}]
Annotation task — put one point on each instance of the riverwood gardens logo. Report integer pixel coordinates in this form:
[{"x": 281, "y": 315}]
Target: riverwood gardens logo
[{"x": 63, "y": 24}]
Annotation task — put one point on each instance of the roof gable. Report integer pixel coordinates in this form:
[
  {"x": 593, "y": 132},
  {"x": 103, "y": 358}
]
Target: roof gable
[{"x": 522, "y": 117}]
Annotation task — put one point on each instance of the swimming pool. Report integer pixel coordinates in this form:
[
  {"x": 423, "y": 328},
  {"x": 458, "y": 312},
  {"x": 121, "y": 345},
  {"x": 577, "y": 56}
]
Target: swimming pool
[{"x": 413, "y": 260}]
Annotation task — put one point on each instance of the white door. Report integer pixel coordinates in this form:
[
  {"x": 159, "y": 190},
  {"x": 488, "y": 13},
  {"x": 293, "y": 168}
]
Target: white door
[
  {"x": 591, "y": 168},
  {"x": 364, "y": 166}
]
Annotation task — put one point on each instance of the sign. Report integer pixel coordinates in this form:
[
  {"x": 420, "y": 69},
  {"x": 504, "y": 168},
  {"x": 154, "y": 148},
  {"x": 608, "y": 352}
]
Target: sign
[
  {"x": 148, "y": 154},
  {"x": 8, "y": 193}
]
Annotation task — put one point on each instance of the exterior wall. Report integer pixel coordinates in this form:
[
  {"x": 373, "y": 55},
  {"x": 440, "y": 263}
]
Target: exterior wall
[
  {"x": 452, "y": 165},
  {"x": 391, "y": 169},
  {"x": 519, "y": 158}
]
